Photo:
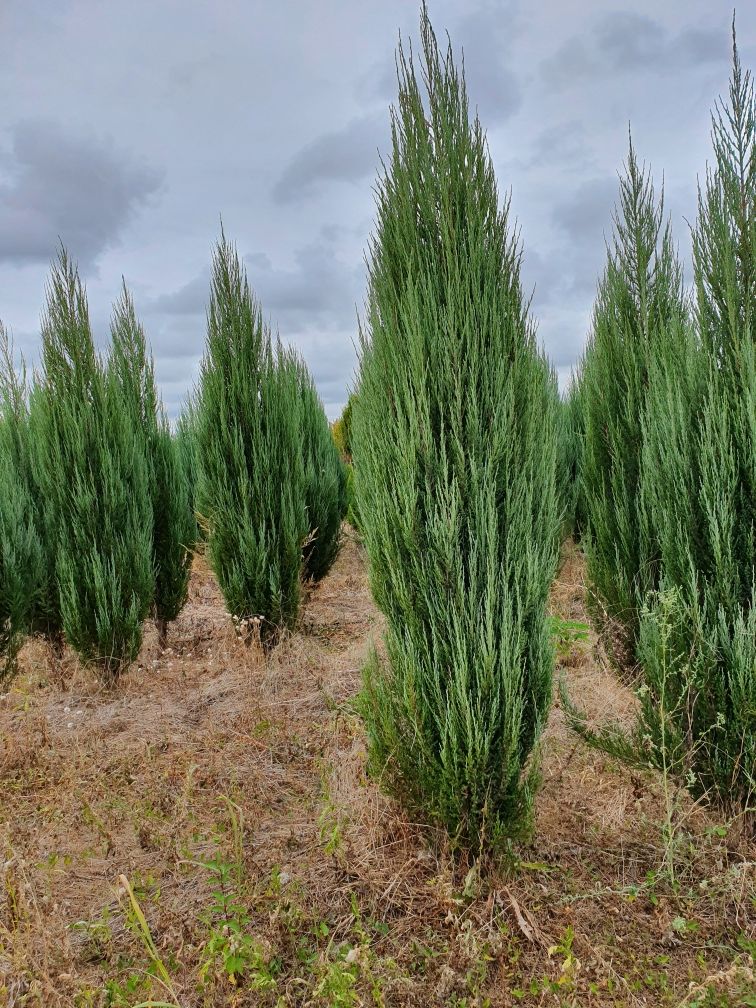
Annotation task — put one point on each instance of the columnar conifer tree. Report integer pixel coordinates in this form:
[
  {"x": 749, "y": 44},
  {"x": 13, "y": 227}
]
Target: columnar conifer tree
[
  {"x": 696, "y": 641},
  {"x": 574, "y": 434},
  {"x": 21, "y": 552},
  {"x": 94, "y": 476},
  {"x": 187, "y": 450},
  {"x": 640, "y": 297},
  {"x": 325, "y": 480},
  {"x": 454, "y": 435},
  {"x": 698, "y": 637},
  {"x": 174, "y": 526},
  {"x": 251, "y": 478}
]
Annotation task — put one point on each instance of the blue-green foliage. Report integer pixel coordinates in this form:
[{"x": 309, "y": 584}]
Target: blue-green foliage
[
  {"x": 174, "y": 526},
  {"x": 325, "y": 481},
  {"x": 250, "y": 464},
  {"x": 94, "y": 476},
  {"x": 698, "y": 637},
  {"x": 22, "y": 558},
  {"x": 454, "y": 438},
  {"x": 640, "y": 300}
]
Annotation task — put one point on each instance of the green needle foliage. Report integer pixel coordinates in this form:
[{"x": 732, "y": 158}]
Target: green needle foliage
[
  {"x": 698, "y": 639},
  {"x": 573, "y": 434},
  {"x": 186, "y": 445},
  {"x": 95, "y": 476},
  {"x": 174, "y": 527},
  {"x": 22, "y": 556},
  {"x": 251, "y": 487},
  {"x": 640, "y": 296},
  {"x": 325, "y": 480},
  {"x": 454, "y": 440}
]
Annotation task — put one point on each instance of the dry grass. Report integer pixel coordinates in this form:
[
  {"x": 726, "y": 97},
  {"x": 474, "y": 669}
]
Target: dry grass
[{"x": 341, "y": 899}]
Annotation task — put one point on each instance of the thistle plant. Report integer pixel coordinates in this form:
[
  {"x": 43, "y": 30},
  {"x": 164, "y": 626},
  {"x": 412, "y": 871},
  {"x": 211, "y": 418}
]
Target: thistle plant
[{"x": 453, "y": 440}]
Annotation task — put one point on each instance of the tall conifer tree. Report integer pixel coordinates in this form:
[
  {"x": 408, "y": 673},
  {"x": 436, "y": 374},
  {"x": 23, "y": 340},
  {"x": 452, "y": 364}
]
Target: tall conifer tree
[
  {"x": 698, "y": 639},
  {"x": 250, "y": 464},
  {"x": 174, "y": 526},
  {"x": 94, "y": 475},
  {"x": 640, "y": 297},
  {"x": 454, "y": 435},
  {"x": 325, "y": 480},
  {"x": 22, "y": 559}
]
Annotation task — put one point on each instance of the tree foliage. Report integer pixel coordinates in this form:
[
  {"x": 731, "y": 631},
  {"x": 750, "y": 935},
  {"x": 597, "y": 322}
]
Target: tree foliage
[
  {"x": 640, "y": 300},
  {"x": 325, "y": 480},
  {"x": 22, "y": 558},
  {"x": 95, "y": 480},
  {"x": 250, "y": 463},
  {"x": 698, "y": 638},
  {"x": 174, "y": 527},
  {"x": 454, "y": 439}
]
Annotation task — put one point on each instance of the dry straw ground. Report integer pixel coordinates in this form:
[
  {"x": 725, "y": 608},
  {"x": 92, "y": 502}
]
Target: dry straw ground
[{"x": 205, "y": 834}]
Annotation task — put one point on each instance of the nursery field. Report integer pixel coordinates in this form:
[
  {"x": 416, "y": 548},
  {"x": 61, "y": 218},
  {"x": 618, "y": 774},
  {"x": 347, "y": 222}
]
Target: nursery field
[{"x": 205, "y": 833}]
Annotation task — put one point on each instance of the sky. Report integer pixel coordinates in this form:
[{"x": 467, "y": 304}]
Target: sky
[{"x": 129, "y": 131}]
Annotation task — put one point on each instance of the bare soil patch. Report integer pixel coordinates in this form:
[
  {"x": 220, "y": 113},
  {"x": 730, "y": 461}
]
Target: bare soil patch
[{"x": 230, "y": 792}]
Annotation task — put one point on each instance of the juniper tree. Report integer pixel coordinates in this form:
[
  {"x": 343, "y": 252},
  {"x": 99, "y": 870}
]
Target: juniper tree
[
  {"x": 325, "y": 480},
  {"x": 573, "y": 436},
  {"x": 640, "y": 297},
  {"x": 454, "y": 434},
  {"x": 250, "y": 465},
  {"x": 698, "y": 638},
  {"x": 21, "y": 553},
  {"x": 697, "y": 634},
  {"x": 173, "y": 520},
  {"x": 186, "y": 446},
  {"x": 94, "y": 475}
]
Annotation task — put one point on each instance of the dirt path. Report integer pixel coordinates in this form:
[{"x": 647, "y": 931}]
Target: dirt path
[{"x": 232, "y": 794}]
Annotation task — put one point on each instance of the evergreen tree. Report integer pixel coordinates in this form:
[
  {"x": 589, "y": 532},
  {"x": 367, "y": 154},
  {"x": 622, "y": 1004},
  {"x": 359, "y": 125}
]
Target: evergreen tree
[
  {"x": 173, "y": 520},
  {"x": 251, "y": 480},
  {"x": 573, "y": 434},
  {"x": 325, "y": 480},
  {"x": 454, "y": 438},
  {"x": 697, "y": 632},
  {"x": 186, "y": 446},
  {"x": 640, "y": 297},
  {"x": 698, "y": 638},
  {"x": 21, "y": 552},
  {"x": 94, "y": 476}
]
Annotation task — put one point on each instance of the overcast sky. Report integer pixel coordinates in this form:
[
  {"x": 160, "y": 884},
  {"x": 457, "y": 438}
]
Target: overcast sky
[{"x": 128, "y": 129}]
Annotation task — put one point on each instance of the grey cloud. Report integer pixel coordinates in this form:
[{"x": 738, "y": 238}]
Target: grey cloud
[
  {"x": 630, "y": 41},
  {"x": 585, "y": 215},
  {"x": 346, "y": 155},
  {"x": 584, "y": 220},
  {"x": 56, "y": 186},
  {"x": 378, "y": 84},
  {"x": 626, "y": 41},
  {"x": 565, "y": 142},
  {"x": 191, "y": 299},
  {"x": 486, "y": 36},
  {"x": 319, "y": 291}
]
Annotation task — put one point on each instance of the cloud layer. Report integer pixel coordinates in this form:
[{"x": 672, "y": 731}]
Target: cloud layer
[{"x": 127, "y": 131}]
